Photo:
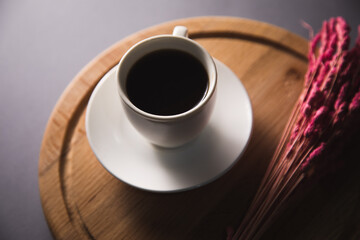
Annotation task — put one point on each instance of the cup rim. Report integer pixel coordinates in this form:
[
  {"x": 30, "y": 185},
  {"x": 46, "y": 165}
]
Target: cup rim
[{"x": 154, "y": 117}]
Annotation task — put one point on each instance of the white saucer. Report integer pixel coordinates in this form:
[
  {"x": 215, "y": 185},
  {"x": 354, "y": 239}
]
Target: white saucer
[{"x": 130, "y": 158}]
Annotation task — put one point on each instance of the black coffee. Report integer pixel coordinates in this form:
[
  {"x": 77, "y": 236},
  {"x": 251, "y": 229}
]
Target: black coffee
[{"x": 167, "y": 82}]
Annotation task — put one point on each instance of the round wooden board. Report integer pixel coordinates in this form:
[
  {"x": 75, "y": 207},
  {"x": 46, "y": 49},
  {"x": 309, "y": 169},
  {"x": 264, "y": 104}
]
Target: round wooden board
[{"x": 81, "y": 200}]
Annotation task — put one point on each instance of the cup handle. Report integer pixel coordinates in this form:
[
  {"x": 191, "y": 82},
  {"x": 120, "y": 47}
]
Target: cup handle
[{"x": 180, "y": 31}]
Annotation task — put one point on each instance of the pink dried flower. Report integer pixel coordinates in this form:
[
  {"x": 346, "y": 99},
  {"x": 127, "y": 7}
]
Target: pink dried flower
[
  {"x": 331, "y": 50},
  {"x": 309, "y": 130},
  {"x": 306, "y": 110},
  {"x": 312, "y": 58},
  {"x": 312, "y": 48},
  {"x": 340, "y": 113},
  {"x": 325, "y": 119},
  {"x": 355, "y": 103},
  {"x": 321, "y": 115},
  {"x": 316, "y": 96},
  {"x": 342, "y": 95},
  {"x": 324, "y": 37},
  {"x": 343, "y": 29},
  {"x": 317, "y": 124},
  {"x": 327, "y": 84},
  {"x": 324, "y": 69},
  {"x": 314, "y": 155}
]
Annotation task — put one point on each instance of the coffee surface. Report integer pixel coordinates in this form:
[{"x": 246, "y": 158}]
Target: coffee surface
[{"x": 166, "y": 82}]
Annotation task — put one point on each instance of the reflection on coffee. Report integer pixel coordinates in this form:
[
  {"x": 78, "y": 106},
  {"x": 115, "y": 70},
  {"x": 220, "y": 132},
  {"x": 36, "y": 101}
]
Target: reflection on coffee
[{"x": 166, "y": 82}]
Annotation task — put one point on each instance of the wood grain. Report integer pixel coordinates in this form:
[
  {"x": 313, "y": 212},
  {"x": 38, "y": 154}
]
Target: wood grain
[{"x": 81, "y": 200}]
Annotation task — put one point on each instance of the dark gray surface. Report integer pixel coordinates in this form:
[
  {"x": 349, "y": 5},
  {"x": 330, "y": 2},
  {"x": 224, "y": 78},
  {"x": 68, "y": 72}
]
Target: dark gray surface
[{"x": 43, "y": 44}]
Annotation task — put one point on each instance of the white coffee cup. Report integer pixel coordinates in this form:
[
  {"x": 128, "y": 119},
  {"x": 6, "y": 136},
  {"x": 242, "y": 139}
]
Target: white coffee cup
[{"x": 169, "y": 130}]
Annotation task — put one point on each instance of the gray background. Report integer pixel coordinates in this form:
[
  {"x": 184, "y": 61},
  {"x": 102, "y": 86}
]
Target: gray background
[{"x": 44, "y": 44}]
